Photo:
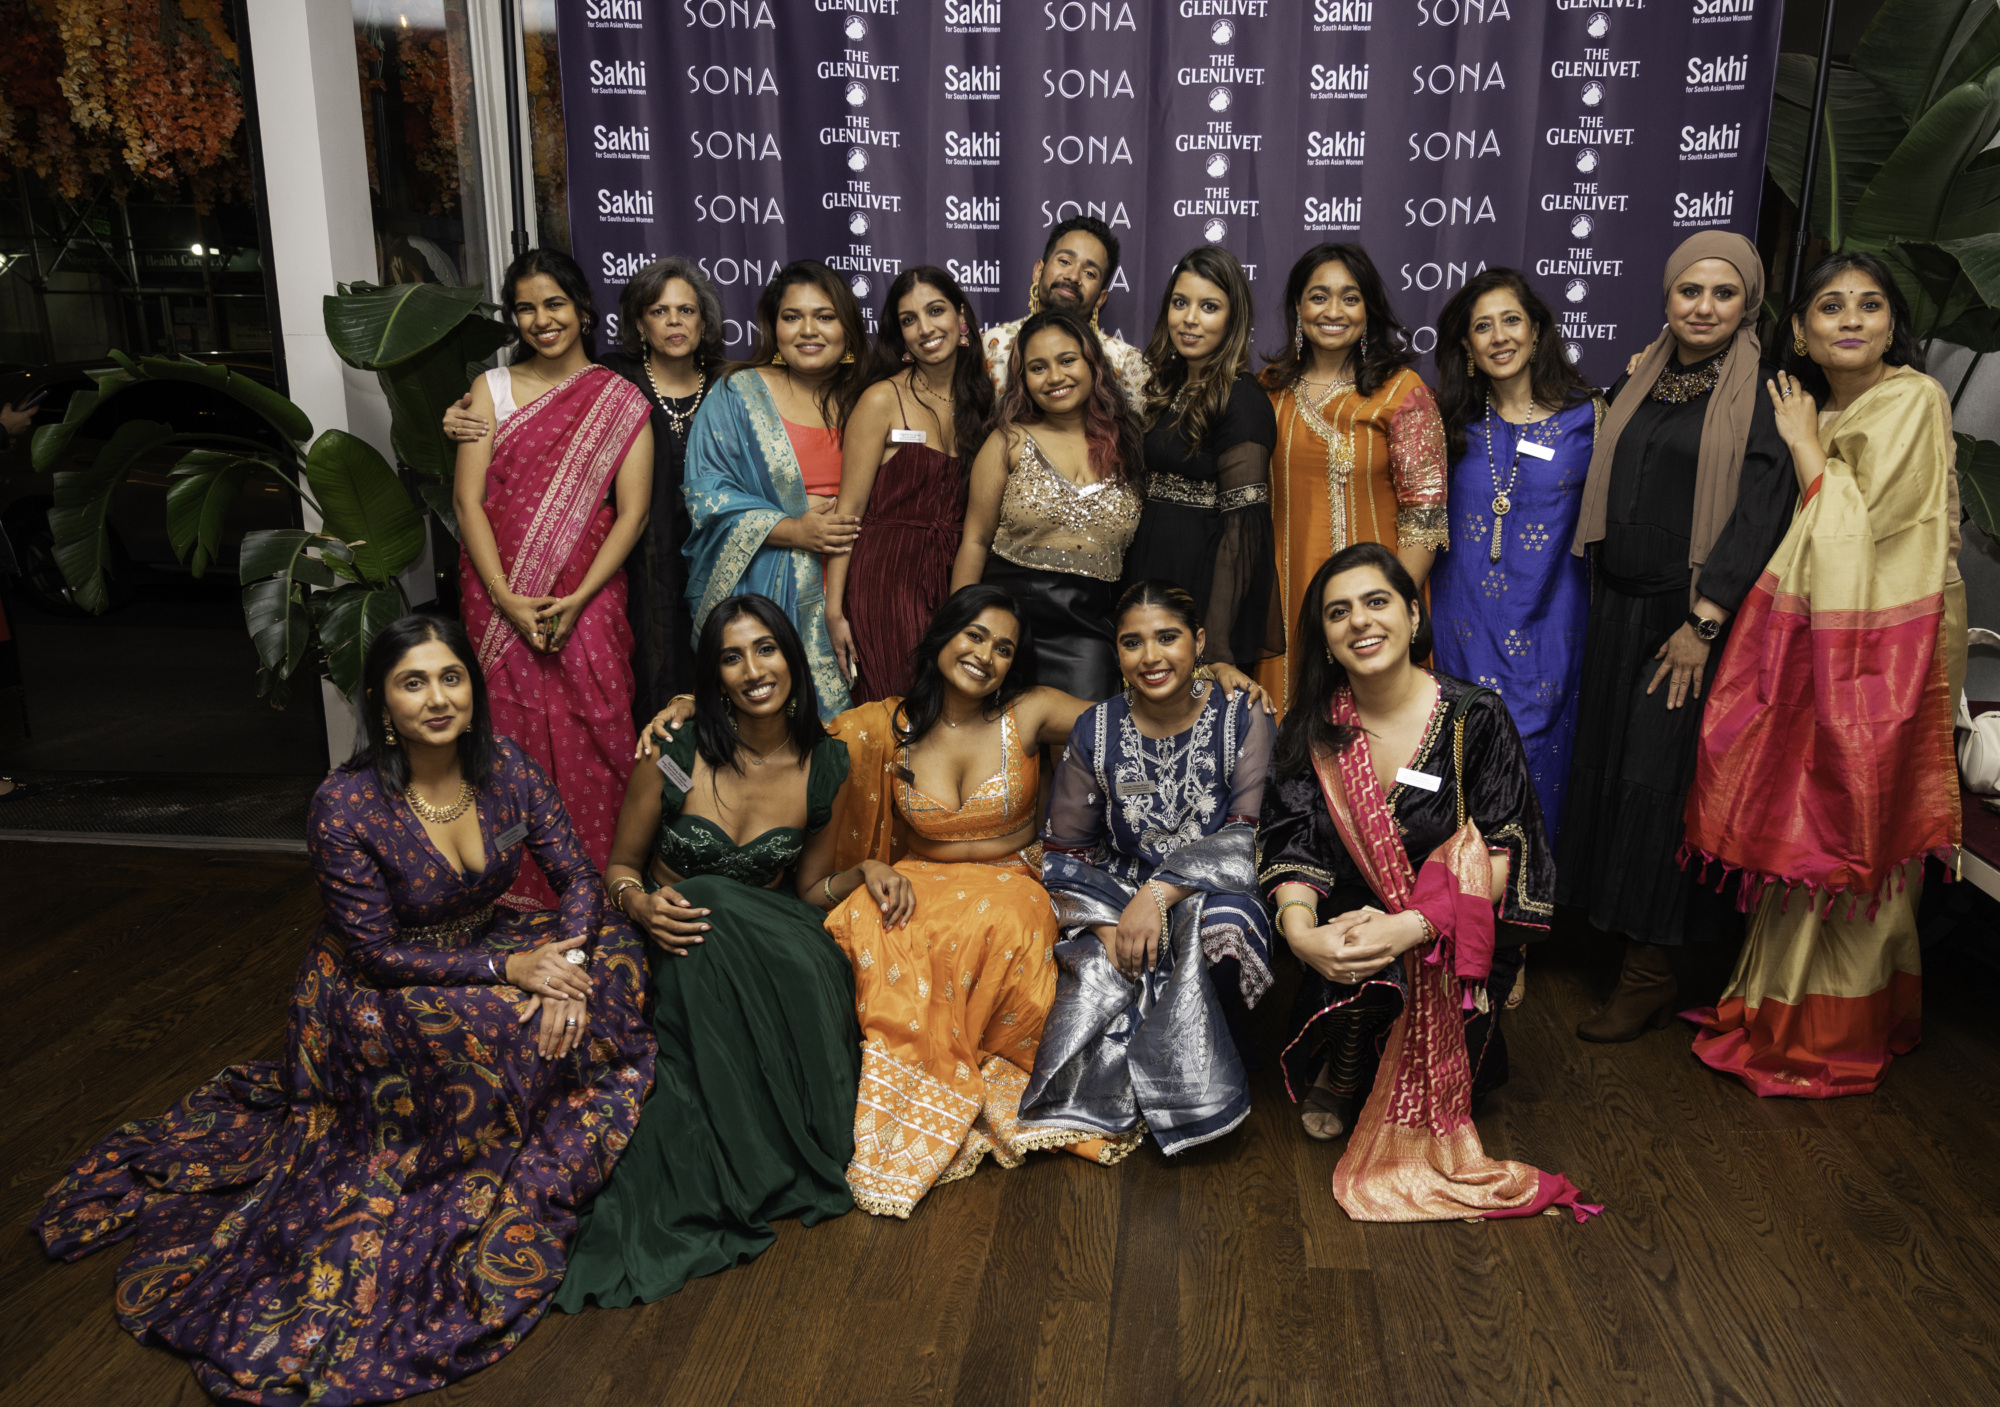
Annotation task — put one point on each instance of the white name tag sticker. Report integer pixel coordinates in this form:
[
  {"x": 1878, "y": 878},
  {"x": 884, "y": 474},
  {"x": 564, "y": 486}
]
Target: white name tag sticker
[
  {"x": 673, "y": 773},
  {"x": 906, "y": 437},
  {"x": 1535, "y": 450},
  {"x": 1138, "y": 788},
  {"x": 512, "y": 836},
  {"x": 1418, "y": 779}
]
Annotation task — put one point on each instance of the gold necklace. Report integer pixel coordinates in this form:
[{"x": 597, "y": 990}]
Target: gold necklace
[
  {"x": 677, "y": 420},
  {"x": 920, "y": 382},
  {"x": 440, "y": 815}
]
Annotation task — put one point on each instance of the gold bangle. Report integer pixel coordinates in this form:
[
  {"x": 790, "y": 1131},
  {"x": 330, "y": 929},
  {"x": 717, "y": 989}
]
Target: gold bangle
[
  {"x": 1277, "y": 919},
  {"x": 826, "y": 888},
  {"x": 618, "y": 888}
]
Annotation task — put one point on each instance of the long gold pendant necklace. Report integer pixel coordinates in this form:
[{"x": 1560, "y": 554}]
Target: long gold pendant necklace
[{"x": 1503, "y": 497}]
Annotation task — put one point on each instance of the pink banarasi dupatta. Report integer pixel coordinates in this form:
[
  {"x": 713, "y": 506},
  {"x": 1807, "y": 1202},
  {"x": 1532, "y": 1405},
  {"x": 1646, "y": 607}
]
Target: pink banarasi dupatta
[
  {"x": 1414, "y": 1154},
  {"x": 546, "y": 491}
]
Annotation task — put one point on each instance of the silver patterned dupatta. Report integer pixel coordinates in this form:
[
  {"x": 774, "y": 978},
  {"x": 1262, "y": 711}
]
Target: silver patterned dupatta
[{"x": 1122, "y": 1056}]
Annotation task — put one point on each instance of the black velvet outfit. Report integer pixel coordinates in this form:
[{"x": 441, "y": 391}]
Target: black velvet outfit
[
  {"x": 1634, "y": 759},
  {"x": 656, "y": 572}
]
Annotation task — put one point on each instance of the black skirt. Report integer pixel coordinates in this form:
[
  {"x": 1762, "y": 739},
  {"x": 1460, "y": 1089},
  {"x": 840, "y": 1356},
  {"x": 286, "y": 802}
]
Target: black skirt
[
  {"x": 1071, "y": 618},
  {"x": 1628, "y": 785}
]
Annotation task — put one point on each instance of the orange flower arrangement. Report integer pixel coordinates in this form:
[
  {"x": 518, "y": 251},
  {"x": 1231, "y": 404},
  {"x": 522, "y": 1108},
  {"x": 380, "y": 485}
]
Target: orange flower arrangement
[{"x": 141, "y": 91}]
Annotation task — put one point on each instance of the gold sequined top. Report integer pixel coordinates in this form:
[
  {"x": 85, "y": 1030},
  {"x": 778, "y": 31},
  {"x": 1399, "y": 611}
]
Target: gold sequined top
[{"x": 1050, "y": 524}]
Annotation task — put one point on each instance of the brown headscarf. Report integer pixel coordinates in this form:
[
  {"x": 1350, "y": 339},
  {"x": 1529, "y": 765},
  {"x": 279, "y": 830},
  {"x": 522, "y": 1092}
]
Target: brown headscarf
[{"x": 1726, "y": 427}]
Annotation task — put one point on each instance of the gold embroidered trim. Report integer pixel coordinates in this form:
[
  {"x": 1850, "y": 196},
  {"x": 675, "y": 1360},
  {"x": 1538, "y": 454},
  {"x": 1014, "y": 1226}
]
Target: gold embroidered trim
[
  {"x": 1117, "y": 1150},
  {"x": 1423, "y": 526},
  {"x": 1267, "y": 875}
]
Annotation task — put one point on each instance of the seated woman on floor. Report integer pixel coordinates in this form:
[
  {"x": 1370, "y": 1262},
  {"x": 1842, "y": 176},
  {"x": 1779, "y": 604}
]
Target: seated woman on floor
[
  {"x": 752, "y": 1115},
  {"x": 1150, "y": 853},
  {"x": 385, "y": 1210},
  {"x": 1400, "y": 817}
]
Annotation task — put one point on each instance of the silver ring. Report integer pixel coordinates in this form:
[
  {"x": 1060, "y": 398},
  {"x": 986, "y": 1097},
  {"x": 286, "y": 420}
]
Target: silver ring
[
  {"x": 570, "y": 1022},
  {"x": 575, "y": 958}
]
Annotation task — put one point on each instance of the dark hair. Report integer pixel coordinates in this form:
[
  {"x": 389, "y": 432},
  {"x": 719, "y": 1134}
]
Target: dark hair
[
  {"x": 643, "y": 289},
  {"x": 1317, "y": 674},
  {"x": 715, "y": 739},
  {"x": 1902, "y": 349},
  {"x": 1098, "y": 231},
  {"x": 839, "y": 392},
  {"x": 1117, "y": 444},
  {"x": 569, "y": 278},
  {"x": 1170, "y": 597},
  {"x": 971, "y": 383},
  {"x": 385, "y": 651},
  {"x": 1388, "y": 350},
  {"x": 924, "y": 703},
  {"x": 1208, "y": 397},
  {"x": 1461, "y": 396}
]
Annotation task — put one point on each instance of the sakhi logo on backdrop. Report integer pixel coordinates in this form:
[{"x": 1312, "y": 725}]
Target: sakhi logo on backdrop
[
  {"x": 1324, "y": 214},
  {"x": 972, "y": 148},
  {"x": 1720, "y": 141},
  {"x": 972, "y": 212},
  {"x": 627, "y": 207},
  {"x": 1337, "y": 81},
  {"x": 972, "y": 16},
  {"x": 1345, "y": 16},
  {"x": 614, "y": 14},
  {"x": 628, "y": 143},
  {"x": 1724, "y": 11},
  {"x": 618, "y": 76},
  {"x": 975, "y": 275},
  {"x": 973, "y": 83},
  {"x": 1726, "y": 73},
  {"x": 1336, "y": 148},
  {"x": 1704, "y": 208}
]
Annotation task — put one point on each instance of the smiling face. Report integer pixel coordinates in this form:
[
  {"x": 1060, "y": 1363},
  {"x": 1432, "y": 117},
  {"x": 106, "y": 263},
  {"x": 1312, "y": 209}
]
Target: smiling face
[
  {"x": 546, "y": 316},
  {"x": 429, "y": 695},
  {"x": 930, "y": 323},
  {"x": 975, "y": 661},
  {"x": 1331, "y": 310},
  {"x": 1197, "y": 318},
  {"x": 1848, "y": 324},
  {"x": 1072, "y": 276},
  {"x": 1157, "y": 653},
  {"x": 1706, "y": 306},
  {"x": 810, "y": 337},
  {"x": 756, "y": 681},
  {"x": 1368, "y": 625},
  {"x": 1501, "y": 335},
  {"x": 1056, "y": 372},
  {"x": 672, "y": 324}
]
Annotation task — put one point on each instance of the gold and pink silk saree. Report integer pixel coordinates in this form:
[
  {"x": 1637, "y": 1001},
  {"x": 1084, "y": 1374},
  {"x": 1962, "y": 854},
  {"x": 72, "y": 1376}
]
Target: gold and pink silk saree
[
  {"x": 548, "y": 500},
  {"x": 1414, "y": 1154},
  {"x": 1826, "y": 760}
]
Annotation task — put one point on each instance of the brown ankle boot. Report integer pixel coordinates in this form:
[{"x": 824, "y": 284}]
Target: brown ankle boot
[{"x": 1642, "y": 1001}]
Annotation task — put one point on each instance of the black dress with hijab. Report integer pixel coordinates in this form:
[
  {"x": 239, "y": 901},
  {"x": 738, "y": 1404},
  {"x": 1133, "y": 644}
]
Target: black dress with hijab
[
  {"x": 656, "y": 572},
  {"x": 1635, "y": 759}
]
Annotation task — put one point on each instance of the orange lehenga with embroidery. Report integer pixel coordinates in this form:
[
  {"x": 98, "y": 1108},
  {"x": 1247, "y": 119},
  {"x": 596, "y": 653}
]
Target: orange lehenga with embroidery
[
  {"x": 951, "y": 1005},
  {"x": 1351, "y": 468}
]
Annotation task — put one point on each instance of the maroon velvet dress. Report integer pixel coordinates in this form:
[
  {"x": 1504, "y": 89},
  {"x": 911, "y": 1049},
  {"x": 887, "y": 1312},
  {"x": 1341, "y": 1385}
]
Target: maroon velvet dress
[
  {"x": 901, "y": 569},
  {"x": 386, "y": 1208}
]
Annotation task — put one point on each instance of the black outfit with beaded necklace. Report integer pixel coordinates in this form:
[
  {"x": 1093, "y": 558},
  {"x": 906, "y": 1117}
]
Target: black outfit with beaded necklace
[{"x": 662, "y": 630}]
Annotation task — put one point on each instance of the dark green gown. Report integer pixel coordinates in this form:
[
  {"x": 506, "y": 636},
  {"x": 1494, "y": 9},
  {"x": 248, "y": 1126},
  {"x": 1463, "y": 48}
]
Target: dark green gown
[{"x": 752, "y": 1113}]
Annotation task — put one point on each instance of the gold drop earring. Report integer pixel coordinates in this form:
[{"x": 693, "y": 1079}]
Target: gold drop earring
[{"x": 388, "y": 730}]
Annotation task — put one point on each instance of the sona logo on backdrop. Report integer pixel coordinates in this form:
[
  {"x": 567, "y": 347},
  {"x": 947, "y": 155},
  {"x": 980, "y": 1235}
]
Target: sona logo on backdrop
[
  {"x": 977, "y": 83},
  {"x": 735, "y": 146},
  {"x": 1704, "y": 208},
  {"x": 722, "y": 14},
  {"x": 1457, "y": 78},
  {"x": 618, "y": 76},
  {"x": 1115, "y": 215},
  {"x": 1339, "y": 213},
  {"x": 1721, "y": 141},
  {"x": 633, "y": 143},
  {"x": 625, "y": 207},
  {"x": 737, "y": 210},
  {"x": 1335, "y": 148},
  {"x": 614, "y": 14},
  {"x": 1455, "y": 210},
  {"x": 1726, "y": 73},
  {"x": 1083, "y": 83},
  {"x": 1076, "y": 17},
  {"x": 1723, "y": 11},
  {"x": 1337, "y": 81},
  {"x": 972, "y": 148},
  {"x": 971, "y": 16},
  {"x": 1461, "y": 12},
  {"x": 1072, "y": 150},
  {"x": 972, "y": 212},
  {"x": 1429, "y": 278},
  {"x": 1454, "y": 146},
  {"x": 717, "y": 81}
]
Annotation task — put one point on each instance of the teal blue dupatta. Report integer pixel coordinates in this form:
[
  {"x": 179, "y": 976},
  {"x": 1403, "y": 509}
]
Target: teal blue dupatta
[{"x": 741, "y": 478}]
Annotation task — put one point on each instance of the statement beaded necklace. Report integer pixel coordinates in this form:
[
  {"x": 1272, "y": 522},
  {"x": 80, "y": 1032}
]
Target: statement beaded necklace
[
  {"x": 1540, "y": 432},
  {"x": 1677, "y": 387},
  {"x": 677, "y": 420}
]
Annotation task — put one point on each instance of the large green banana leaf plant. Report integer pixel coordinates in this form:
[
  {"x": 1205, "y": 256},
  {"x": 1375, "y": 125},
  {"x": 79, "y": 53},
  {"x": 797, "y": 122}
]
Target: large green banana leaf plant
[
  {"x": 314, "y": 596},
  {"x": 1907, "y": 170}
]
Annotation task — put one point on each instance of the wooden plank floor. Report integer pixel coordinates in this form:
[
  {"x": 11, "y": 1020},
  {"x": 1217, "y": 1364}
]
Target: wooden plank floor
[{"x": 1754, "y": 1251}]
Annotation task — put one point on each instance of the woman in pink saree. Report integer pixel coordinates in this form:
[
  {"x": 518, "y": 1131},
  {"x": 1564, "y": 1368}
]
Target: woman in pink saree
[
  {"x": 548, "y": 508},
  {"x": 1399, "y": 830}
]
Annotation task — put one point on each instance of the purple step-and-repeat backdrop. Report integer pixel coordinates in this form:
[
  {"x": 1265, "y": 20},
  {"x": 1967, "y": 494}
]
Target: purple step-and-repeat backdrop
[{"x": 1579, "y": 140}]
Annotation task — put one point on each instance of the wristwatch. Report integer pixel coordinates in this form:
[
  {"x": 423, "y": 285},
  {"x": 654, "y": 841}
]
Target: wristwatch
[{"x": 1705, "y": 628}]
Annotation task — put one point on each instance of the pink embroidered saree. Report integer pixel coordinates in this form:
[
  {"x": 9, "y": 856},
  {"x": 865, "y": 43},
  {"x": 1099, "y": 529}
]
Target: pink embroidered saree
[{"x": 547, "y": 498}]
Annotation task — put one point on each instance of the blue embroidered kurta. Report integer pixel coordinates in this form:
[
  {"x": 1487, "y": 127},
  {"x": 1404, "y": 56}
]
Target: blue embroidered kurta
[{"x": 1517, "y": 625}]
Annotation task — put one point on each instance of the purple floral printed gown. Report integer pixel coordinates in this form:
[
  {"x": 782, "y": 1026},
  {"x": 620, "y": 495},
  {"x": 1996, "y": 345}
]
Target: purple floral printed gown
[{"x": 387, "y": 1208}]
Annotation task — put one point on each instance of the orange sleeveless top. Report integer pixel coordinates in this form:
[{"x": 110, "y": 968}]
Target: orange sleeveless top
[{"x": 998, "y": 806}]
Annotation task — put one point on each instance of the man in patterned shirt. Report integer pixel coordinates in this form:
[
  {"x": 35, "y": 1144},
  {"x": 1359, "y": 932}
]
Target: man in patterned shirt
[{"x": 1074, "y": 273}]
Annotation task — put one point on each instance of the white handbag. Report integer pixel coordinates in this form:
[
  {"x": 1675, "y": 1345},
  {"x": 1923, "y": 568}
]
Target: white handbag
[{"x": 1979, "y": 738}]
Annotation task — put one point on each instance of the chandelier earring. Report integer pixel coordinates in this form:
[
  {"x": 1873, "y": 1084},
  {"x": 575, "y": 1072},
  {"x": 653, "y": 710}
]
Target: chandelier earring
[
  {"x": 792, "y": 706},
  {"x": 963, "y": 339},
  {"x": 1298, "y": 341},
  {"x": 1471, "y": 366},
  {"x": 389, "y": 738},
  {"x": 1798, "y": 342}
]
